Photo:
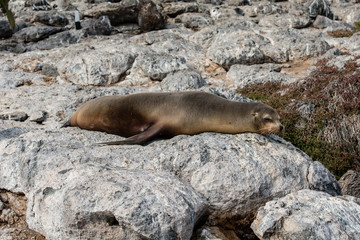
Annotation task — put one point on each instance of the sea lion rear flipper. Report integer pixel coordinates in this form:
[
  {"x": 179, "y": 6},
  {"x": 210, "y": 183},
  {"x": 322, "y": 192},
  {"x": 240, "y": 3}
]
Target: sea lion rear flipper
[
  {"x": 140, "y": 138},
  {"x": 66, "y": 124}
]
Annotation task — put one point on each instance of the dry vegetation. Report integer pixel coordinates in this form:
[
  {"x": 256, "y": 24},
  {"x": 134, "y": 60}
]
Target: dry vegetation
[
  {"x": 345, "y": 33},
  {"x": 321, "y": 114}
]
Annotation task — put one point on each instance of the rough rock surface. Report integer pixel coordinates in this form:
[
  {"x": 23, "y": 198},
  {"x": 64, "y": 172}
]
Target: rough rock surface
[
  {"x": 308, "y": 214},
  {"x": 350, "y": 183},
  {"x": 205, "y": 186}
]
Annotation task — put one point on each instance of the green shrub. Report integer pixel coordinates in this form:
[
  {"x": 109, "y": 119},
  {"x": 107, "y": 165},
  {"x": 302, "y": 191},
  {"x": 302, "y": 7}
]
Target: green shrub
[{"x": 357, "y": 25}]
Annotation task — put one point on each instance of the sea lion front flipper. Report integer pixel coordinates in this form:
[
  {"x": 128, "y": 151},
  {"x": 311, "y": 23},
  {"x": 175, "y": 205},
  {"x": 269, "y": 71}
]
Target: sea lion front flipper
[{"x": 139, "y": 138}]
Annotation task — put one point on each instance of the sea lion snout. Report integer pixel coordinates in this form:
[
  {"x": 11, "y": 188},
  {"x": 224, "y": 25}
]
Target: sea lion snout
[{"x": 281, "y": 128}]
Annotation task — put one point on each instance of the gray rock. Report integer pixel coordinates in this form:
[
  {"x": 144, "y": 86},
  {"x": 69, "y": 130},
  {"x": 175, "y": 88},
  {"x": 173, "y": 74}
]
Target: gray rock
[
  {"x": 158, "y": 66},
  {"x": 266, "y": 8},
  {"x": 38, "y": 5},
  {"x": 340, "y": 61},
  {"x": 213, "y": 164},
  {"x": 322, "y": 22},
  {"x": 175, "y": 42},
  {"x": 37, "y": 116},
  {"x": 100, "y": 26},
  {"x": 298, "y": 45},
  {"x": 319, "y": 7},
  {"x": 118, "y": 13},
  {"x": 317, "y": 177},
  {"x": 182, "y": 80},
  {"x": 205, "y": 36},
  {"x": 17, "y": 79},
  {"x": 149, "y": 16},
  {"x": 49, "y": 70},
  {"x": 61, "y": 39},
  {"x": 16, "y": 116},
  {"x": 308, "y": 214},
  {"x": 246, "y": 47},
  {"x": 243, "y": 75},
  {"x": 175, "y": 9},
  {"x": 353, "y": 15},
  {"x": 240, "y": 47},
  {"x": 51, "y": 19},
  {"x": 95, "y": 67},
  {"x": 352, "y": 43},
  {"x": 36, "y": 33},
  {"x": 132, "y": 204},
  {"x": 194, "y": 20},
  {"x": 350, "y": 183},
  {"x": 285, "y": 21},
  {"x": 238, "y": 2},
  {"x": 5, "y": 28}
]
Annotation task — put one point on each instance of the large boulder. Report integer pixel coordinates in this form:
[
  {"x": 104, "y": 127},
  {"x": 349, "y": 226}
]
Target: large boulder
[{"x": 308, "y": 214}]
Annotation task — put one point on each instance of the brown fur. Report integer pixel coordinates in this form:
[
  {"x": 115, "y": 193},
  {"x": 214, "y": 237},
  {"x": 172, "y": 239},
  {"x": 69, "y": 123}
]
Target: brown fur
[{"x": 144, "y": 116}]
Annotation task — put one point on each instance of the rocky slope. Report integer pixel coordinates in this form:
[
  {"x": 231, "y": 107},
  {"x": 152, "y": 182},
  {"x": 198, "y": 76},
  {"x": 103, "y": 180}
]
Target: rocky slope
[{"x": 208, "y": 186}]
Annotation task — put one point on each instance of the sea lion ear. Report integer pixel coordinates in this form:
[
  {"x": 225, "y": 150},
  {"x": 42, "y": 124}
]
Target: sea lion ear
[{"x": 255, "y": 114}]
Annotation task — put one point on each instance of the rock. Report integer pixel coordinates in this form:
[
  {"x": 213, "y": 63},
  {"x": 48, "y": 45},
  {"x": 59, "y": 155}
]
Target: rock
[
  {"x": 213, "y": 164},
  {"x": 339, "y": 61},
  {"x": 175, "y": 9},
  {"x": 267, "y": 8},
  {"x": 5, "y": 28},
  {"x": 322, "y": 22},
  {"x": 317, "y": 177},
  {"x": 117, "y": 13},
  {"x": 158, "y": 66},
  {"x": 37, "y": 116},
  {"x": 319, "y": 7},
  {"x": 149, "y": 16},
  {"x": 49, "y": 70},
  {"x": 51, "y": 19},
  {"x": 218, "y": 13},
  {"x": 243, "y": 75},
  {"x": 12, "y": 217},
  {"x": 215, "y": 233},
  {"x": 17, "y": 79},
  {"x": 16, "y": 116},
  {"x": 247, "y": 47},
  {"x": 350, "y": 183},
  {"x": 353, "y": 15},
  {"x": 132, "y": 204},
  {"x": 61, "y": 39},
  {"x": 38, "y": 5},
  {"x": 182, "y": 80},
  {"x": 214, "y": 181},
  {"x": 240, "y": 47},
  {"x": 36, "y": 33},
  {"x": 95, "y": 67},
  {"x": 100, "y": 26},
  {"x": 308, "y": 214},
  {"x": 238, "y": 2},
  {"x": 194, "y": 21},
  {"x": 285, "y": 21}
]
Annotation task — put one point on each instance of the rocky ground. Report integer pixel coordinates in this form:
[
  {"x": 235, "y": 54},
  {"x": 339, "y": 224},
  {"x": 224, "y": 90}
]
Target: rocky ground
[{"x": 207, "y": 186}]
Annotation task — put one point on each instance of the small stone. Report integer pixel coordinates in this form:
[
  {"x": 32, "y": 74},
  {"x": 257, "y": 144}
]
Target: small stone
[{"x": 16, "y": 116}]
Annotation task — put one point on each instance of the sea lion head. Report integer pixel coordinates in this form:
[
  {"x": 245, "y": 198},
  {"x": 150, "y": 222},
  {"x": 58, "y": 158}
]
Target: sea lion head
[{"x": 267, "y": 120}]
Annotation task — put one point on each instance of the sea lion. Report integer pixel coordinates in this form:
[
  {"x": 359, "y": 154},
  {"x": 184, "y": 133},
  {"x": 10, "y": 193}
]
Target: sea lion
[{"x": 144, "y": 116}]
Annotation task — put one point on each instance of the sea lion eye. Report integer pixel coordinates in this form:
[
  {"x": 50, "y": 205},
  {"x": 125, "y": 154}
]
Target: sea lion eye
[{"x": 267, "y": 119}]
